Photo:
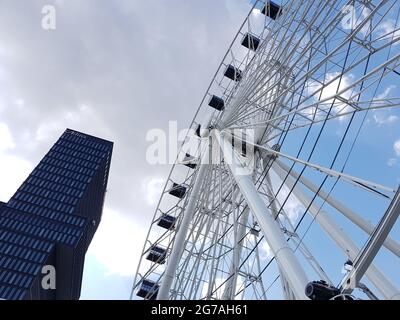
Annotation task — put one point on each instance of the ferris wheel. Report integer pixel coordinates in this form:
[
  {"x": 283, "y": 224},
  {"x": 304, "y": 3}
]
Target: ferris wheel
[{"x": 286, "y": 195}]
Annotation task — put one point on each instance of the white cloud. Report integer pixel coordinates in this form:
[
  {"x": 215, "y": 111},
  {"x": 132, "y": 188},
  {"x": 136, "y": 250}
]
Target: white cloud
[
  {"x": 153, "y": 188},
  {"x": 79, "y": 118},
  {"x": 312, "y": 113},
  {"x": 13, "y": 171},
  {"x": 114, "y": 72},
  {"x": 118, "y": 242},
  {"x": 265, "y": 251},
  {"x": 358, "y": 16},
  {"x": 381, "y": 119},
  {"x": 6, "y": 139},
  {"x": 292, "y": 207},
  {"x": 387, "y": 29},
  {"x": 221, "y": 283},
  {"x": 329, "y": 91},
  {"x": 396, "y": 147},
  {"x": 95, "y": 79},
  {"x": 365, "y": 13},
  {"x": 256, "y": 12},
  {"x": 19, "y": 102},
  {"x": 392, "y": 162},
  {"x": 385, "y": 94}
]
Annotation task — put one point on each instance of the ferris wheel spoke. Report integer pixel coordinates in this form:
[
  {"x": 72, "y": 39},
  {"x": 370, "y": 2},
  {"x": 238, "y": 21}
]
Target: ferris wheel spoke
[
  {"x": 391, "y": 244},
  {"x": 202, "y": 250},
  {"x": 239, "y": 234},
  {"x": 201, "y": 218},
  {"x": 262, "y": 74},
  {"x": 363, "y": 106},
  {"x": 349, "y": 248},
  {"x": 191, "y": 250},
  {"x": 393, "y": 60},
  {"x": 385, "y": 68},
  {"x": 282, "y": 252},
  {"x": 352, "y": 102},
  {"x": 296, "y": 62},
  {"x": 370, "y": 186},
  {"x": 370, "y": 250},
  {"x": 291, "y": 233}
]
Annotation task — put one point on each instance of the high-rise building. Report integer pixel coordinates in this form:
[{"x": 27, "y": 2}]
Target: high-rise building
[{"x": 51, "y": 220}]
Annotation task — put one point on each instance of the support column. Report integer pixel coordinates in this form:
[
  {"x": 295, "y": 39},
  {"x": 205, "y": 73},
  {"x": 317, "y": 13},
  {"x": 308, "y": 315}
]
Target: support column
[
  {"x": 180, "y": 237},
  {"x": 288, "y": 294},
  {"x": 274, "y": 208},
  {"x": 272, "y": 232},
  {"x": 230, "y": 288}
]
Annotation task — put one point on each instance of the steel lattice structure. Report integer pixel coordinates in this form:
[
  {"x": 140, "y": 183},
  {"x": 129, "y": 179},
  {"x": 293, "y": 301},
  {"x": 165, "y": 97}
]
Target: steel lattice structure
[{"x": 294, "y": 74}]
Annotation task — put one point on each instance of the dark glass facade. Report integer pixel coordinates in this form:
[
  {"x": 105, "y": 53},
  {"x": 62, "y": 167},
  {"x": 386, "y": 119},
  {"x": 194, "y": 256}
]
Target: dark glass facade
[{"x": 52, "y": 218}]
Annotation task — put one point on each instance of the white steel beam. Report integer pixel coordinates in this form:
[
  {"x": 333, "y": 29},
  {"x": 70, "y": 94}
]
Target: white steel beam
[
  {"x": 287, "y": 292},
  {"x": 366, "y": 226},
  {"x": 358, "y": 182},
  {"x": 230, "y": 288},
  {"x": 180, "y": 237},
  {"x": 273, "y": 234},
  {"x": 369, "y": 252},
  {"x": 388, "y": 290},
  {"x": 300, "y": 245}
]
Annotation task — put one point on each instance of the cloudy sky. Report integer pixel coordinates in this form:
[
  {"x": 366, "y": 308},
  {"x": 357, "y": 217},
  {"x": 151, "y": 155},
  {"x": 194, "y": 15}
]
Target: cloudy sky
[
  {"x": 114, "y": 69},
  {"x": 117, "y": 69}
]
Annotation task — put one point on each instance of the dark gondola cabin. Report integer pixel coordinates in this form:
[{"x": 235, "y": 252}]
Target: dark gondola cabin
[
  {"x": 167, "y": 222},
  {"x": 250, "y": 42},
  {"x": 178, "y": 190},
  {"x": 272, "y": 10},
  {"x": 217, "y": 103},
  {"x": 233, "y": 73},
  {"x": 148, "y": 290},
  {"x": 157, "y": 254}
]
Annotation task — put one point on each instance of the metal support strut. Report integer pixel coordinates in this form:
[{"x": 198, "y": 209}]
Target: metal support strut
[
  {"x": 177, "y": 249},
  {"x": 388, "y": 290},
  {"x": 284, "y": 255}
]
